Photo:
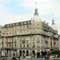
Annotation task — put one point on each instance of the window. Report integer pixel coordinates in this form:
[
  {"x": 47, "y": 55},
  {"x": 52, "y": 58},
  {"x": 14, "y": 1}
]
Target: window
[
  {"x": 23, "y": 41},
  {"x": 0, "y": 31},
  {"x": 46, "y": 42},
  {"x": 20, "y": 53},
  {"x": 29, "y": 22},
  {"x": 38, "y": 41},
  {"x": 27, "y": 53},
  {"x": 54, "y": 43},
  {"x": 33, "y": 46},
  {"x": 28, "y": 45},
  {"x": 24, "y": 23},
  {"x": 29, "y": 26},
  {"x": 20, "y": 45}
]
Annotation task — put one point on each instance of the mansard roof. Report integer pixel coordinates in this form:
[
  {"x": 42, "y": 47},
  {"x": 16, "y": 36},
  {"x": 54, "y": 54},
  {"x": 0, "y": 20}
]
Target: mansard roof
[
  {"x": 18, "y": 24},
  {"x": 48, "y": 28}
]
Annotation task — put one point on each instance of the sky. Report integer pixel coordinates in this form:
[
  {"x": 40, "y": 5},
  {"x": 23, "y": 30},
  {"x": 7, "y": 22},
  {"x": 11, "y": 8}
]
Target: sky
[
  {"x": 21, "y": 10},
  {"x": 15, "y": 10}
]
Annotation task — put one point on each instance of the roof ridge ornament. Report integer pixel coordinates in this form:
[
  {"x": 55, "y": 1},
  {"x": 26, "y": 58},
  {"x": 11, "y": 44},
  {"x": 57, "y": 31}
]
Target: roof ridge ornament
[
  {"x": 36, "y": 12},
  {"x": 53, "y": 21},
  {"x": 36, "y": 9}
]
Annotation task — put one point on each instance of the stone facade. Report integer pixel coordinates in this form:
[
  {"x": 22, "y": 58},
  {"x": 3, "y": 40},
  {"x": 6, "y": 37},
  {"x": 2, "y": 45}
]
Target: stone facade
[{"x": 28, "y": 37}]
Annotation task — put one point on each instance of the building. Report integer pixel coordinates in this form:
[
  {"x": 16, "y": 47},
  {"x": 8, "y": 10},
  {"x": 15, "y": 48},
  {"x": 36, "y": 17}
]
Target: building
[{"x": 28, "y": 37}]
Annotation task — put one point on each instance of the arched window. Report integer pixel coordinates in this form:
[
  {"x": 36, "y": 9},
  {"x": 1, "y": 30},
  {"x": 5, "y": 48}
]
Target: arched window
[
  {"x": 20, "y": 53},
  {"x": 27, "y": 53},
  {"x": 23, "y": 51},
  {"x": 46, "y": 41},
  {"x": 33, "y": 52}
]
